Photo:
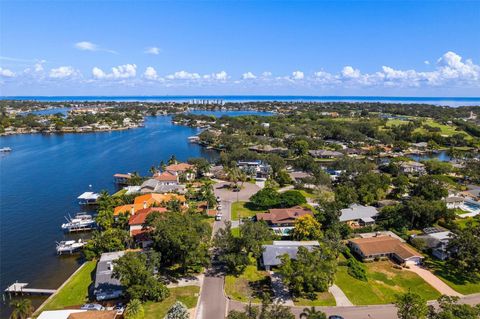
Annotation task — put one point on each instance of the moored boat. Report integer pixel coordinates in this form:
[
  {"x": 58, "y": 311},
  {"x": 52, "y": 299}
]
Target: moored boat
[
  {"x": 5, "y": 150},
  {"x": 81, "y": 222},
  {"x": 69, "y": 246}
]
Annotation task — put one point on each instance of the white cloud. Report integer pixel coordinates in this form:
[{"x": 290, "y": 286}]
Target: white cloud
[
  {"x": 183, "y": 75},
  {"x": 266, "y": 74},
  {"x": 219, "y": 76},
  {"x": 152, "y": 50},
  {"x": 426, "y": 62},
  {"x": 248, "y": 76},
  {"x": 298, "y": 75},
  {"x": 86, "y": 46},
  {"x": 150, "y": 73},
  {"x": 350, "y": 72},
  {"x": 119, "y": 72},
  {"x": 63, "y": 72},
  {"x": 6, "y": 73}
]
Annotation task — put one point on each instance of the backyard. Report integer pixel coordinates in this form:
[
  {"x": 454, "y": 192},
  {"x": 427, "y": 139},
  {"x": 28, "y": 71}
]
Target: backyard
[
  {"x": 384, "y": 282},
  {"x": 251, "y": 283},
  {"x": 187, "y": 295},
  {"x": 75, "y": 291}
]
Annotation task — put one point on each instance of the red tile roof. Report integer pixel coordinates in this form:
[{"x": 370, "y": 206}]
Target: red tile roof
[
  {"x": 284, "y": 215},
  {"x": 180, "y": 167},
  {"x": 166, "y": 177},
  {"x": 141, "y": 215}
]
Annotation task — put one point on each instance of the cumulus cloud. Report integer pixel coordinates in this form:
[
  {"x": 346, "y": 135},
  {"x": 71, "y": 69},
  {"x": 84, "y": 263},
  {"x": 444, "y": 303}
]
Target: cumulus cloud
[
  {"x": 183, "y": 75},
  {"x": 248, "y": 76},
  {"x": 119, "y": 72},
  {"x": 150, "y": 73},
  {"x": 219, "y": 76},
  {"x": 6, "y": 73},
  {"x": 63, "y": 72},
  {"x": 350, "y": 72},
  {"x": 298, "y": 75},
  {"x": 152, "y": 50}
]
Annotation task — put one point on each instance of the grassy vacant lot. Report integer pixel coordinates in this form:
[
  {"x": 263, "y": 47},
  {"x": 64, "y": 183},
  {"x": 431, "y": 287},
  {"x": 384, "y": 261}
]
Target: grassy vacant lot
[
  {"x": 458, "y": 283},
  {"x": 188, "y": 295},
  {"x": 447, "y": 130},
  {"x": 323, "y": 299},
  {"x": 241, "y": 209},
  {"x": 384, "y": 282},
  {"x": 251, "y": 283},
  {"x": 75, "y": 291}
]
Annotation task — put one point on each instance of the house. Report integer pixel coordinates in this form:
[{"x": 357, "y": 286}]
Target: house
[
  {"x": 385, "y": 246},
  {"x": 272, "y": 253},
  {"x": 59, "y": 314},
  {"x": 136, "y": 221},
  {"x": 256, "y": 169},
  {"x": 437, "y": 241},
  {"x": 166, "y": 178},
  {"x": 107, "y": 287},
  {"x": 182, "y": 169},
  {"x": 102, "y": 314},
  {"x": 159, "y": 199},
  {"x": 325, "y": 154},
  {"x": 358, "y": 215},
  {"x": 413, "y": 168},
  {"x": 268, "y": 149},
  {"x": 300, "y": 176},
  {"x": 153, "y": 185},
  {"x": 454, "y": 202},
  {"x": 282, "y": 220}
]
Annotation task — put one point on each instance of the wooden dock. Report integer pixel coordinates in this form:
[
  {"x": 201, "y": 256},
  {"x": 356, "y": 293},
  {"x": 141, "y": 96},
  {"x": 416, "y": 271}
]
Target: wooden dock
[{"x": 20, "y": 288}]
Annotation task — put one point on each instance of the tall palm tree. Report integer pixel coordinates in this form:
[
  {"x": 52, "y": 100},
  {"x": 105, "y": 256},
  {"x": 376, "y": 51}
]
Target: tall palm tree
[
  {"x": 22, "y": 309},
  {"x": 312, "y": 313}
]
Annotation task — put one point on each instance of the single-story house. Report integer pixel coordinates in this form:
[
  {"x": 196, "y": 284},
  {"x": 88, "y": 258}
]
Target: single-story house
[
  {"x": 282, "y": 220},
  {"x": 268, "y": 149},
  {"x": 272, "y": 253},
  {"x": 102, "y": 314},
  {"x": 358, "y": 215},
  {"x": 385, "y": 246},
  {"x": 325, "y": 154},
  {"x": 107, "y": 287},
  {"x": 300, "y": 176},
  {"x": 58, "y": 314},
  {"x": 154, "y": 185},
  {"x": 256, "y": 169}
]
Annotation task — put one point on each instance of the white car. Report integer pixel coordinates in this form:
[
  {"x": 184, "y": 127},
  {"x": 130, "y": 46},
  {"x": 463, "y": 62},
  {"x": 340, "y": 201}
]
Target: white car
[{"x": 218, "y": 216}]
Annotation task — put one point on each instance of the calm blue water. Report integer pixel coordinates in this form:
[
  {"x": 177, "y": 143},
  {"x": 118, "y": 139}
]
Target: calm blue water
[
  {"x": 441, "y": 156},
  {"x": 41, "y": 178},
  {"x": 450, "y": 101}
]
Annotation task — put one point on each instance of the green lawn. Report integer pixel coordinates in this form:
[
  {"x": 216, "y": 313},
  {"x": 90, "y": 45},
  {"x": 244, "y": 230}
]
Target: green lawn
[
  {"x": 306, "y": 194},
  {"x": 462, "y": 222},
  {"x": 384, "y": 282},
  {"x": 453, "y": 279},
  {"x": 240, "y": 209},
  {"x": 251, "y": 283},
  {"x": 323, "y": 299},
  {"x": 395, "y": 122},
  {"x": 447, "y": 130},
  {"x": 188, "y": 295},
  {"x": 75, "y": 291}
]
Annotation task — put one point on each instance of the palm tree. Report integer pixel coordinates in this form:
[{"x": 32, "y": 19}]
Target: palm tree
[
  {"x": 153, "y": 170},
  {"x": 22, "y": 309},
  {"x": 312, "y": 313},
  {"x": 134, "y": 310}
]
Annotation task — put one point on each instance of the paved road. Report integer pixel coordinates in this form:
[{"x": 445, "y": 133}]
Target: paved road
[{"x": 212, "y": 303}]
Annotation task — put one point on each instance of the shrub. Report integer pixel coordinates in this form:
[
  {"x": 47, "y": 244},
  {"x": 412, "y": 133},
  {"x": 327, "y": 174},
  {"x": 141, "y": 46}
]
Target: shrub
[
  {"x": 178, "y": 311},
  {"x": 356, "y": 269}
]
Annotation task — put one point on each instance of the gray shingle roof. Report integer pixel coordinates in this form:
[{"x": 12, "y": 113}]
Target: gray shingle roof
[
  {"x": 272, "y": 253},
  {"x": 355, "y": 212},
  {"x": 103, "y": 275}
]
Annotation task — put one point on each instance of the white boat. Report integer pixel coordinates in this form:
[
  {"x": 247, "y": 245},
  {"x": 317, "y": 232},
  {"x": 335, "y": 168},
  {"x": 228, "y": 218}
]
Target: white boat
[
  {"x": 5, "y": 149},
  {"x": 69, "y": 246},
  {"x": 88, "y": 198},
  {"x": 81, "y": 221}
]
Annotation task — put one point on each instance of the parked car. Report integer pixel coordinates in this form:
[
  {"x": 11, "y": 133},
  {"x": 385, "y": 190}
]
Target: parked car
[
  {"x": 218, "y": 216},
  {"x": 335, "y": 317},
  {"x": 120, "y": 308},
  {"x": 92, "y": 306}
]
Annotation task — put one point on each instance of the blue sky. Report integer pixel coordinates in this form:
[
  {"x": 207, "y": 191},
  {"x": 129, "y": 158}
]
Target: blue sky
[{"x": 414, "y": 48}]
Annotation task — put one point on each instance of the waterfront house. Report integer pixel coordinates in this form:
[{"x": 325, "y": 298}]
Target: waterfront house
[
  {"x": 154, "y": 185},
  {"x": 282, "y": 220},
  {"x": 358, "y": 215},
  {"x": 167, "y": 178},
  {"x": 326, "y": 154},
  {"x": 137, "y": 221},
  {"x": 272, "y": 253},
  {"x": 106, "y": 287},
  {"x": 413, "y": 168},
  {"x": 160, "y": 199},
  {"x": 130, "y": 209},
  {"x": 380, "y": 246},
  {"x": 182, "y": 169}
]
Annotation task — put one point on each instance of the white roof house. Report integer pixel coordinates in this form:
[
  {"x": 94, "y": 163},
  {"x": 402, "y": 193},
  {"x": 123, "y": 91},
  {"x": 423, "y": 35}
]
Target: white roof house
[
  {"x": 58, "y": 314},
  {"x": 358, "y": 212}
]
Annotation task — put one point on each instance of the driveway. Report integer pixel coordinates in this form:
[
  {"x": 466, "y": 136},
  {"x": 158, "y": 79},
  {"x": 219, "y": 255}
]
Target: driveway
[
  {"x": 282, "y": 295},
  {"x": 228, "y": 195},
  {"x": 434, "y": 281},
  {"x": 341, "y": 299}
]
